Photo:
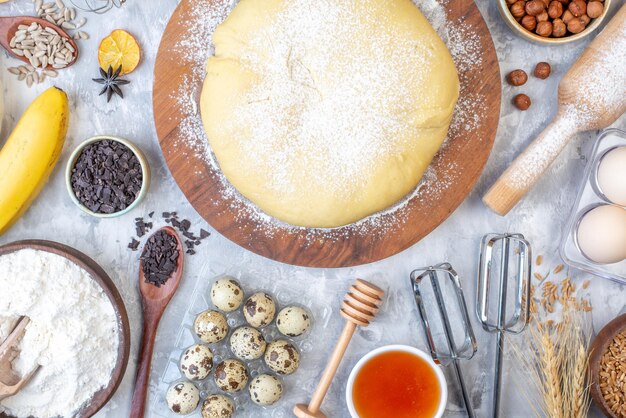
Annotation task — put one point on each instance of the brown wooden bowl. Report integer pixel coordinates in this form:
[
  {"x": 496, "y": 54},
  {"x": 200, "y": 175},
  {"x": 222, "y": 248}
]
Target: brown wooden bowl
[
  {"x": 101, "y": 397},
  {"x": 8, "y": 27},
  {"x": 596, "y": 351}
]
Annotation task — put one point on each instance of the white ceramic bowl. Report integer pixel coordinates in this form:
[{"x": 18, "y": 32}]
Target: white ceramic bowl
[
  {"x": 145, "y": 168},
  {"x": 408, "y": 349}
]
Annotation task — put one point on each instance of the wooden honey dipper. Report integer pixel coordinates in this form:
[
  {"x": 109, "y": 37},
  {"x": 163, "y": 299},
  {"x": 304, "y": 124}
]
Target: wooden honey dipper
[
  {"x": 358, "y": 308},
  {"x": 592, "y": 95}
]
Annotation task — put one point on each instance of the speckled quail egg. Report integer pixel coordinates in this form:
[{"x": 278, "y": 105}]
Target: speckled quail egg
[
  {"x": 211, "y": 326},
  {"x": 293, "y": 321},
  {"x": 282, "y": 357},
  {"x": 226, "y": 294},
  {"x": 259, "y": 310},
  {"x": 231, "y": 375},
  {"x": 218, "y": 406},
  {"x": 247, "y": 343},
  {"x": 196, "y": 362},
  {"x": 182, "y": 397},
  {"x": 265, "y": 389}
]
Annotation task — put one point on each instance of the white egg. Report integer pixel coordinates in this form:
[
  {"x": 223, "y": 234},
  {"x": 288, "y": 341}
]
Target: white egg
[
  {"x": 183, "y": 397},
  {"x": 611, "y": 176},
  {"x": 601, "y": 234}
]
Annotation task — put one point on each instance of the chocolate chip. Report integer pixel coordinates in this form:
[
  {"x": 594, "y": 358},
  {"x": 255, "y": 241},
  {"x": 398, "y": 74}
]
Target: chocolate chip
[
  {"x": 158, "y": 259},
  {"x": 106, "y": 177}
]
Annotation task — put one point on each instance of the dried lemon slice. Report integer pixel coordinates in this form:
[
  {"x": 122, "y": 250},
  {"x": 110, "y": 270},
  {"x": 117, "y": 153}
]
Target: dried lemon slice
[{"x": 119, "y": 48}]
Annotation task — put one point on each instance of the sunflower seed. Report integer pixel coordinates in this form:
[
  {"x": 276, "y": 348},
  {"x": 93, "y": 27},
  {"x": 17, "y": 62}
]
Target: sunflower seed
[
  {"x": 29, "y": 80},
  {"x": 21, "y": 77},
  {"x": 14, "y": 70},
  {"x": 50, "y": 73}
]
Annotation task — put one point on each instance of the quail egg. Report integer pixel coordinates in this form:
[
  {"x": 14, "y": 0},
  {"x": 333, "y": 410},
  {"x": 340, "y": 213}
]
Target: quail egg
[
  {"x": 211, "y": 326},
  {"x": 247, "y": 343},
  {"x": 182, "y": 397},
  {"x": 218, "y": 406},
  {"x": 196, "y": 362},
  {"x": 231, "y": 375},
  {"x": 226, "y": 294},
  {"x": 259, "y": 310},
  {"x": 293, "y": 321},
  {"x": 282, "y": 357},
  {"x": 265, "y": 389}
]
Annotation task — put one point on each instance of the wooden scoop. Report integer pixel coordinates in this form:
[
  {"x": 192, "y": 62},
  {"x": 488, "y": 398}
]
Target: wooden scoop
[
  {"x": 592, "y": 95},
  {"x": 154, "y": 301},
  {"x": 10, "y": 383},
  {"x": 358, "y": 308},
  {"x": 9, "y": 25}
]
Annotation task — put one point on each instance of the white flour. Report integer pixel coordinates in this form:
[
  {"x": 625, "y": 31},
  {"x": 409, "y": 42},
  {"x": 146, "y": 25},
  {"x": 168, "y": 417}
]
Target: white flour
[
  {"x": 465, "y": 48},
  {"x": 73, "y": 333}
]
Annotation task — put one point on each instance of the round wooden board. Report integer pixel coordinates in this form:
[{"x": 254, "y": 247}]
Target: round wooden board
[
  {"x": 458, "y": 164},
  {"x": 101, "y": 397}
]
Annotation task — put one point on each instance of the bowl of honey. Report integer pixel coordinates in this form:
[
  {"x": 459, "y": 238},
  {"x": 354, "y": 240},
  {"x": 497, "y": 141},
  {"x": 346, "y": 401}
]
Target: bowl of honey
[{"x": 396, "y": 381}]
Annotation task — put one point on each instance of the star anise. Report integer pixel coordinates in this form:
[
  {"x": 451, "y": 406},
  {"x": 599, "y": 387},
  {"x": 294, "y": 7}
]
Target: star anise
[{"x": 111, "y": 82}]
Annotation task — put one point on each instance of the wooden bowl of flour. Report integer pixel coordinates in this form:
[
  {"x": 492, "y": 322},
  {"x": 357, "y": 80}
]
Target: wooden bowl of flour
[{"x": 100, "y": 398}]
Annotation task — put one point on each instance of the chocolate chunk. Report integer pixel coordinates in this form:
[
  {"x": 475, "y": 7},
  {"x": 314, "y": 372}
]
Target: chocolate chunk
[
  {"x": 157, "y": 258},
  {"x": 106, "y": 177}
]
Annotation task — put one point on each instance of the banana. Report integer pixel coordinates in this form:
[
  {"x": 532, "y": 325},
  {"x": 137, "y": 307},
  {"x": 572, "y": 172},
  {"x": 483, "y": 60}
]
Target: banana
[{"x": 30, "y": 154}]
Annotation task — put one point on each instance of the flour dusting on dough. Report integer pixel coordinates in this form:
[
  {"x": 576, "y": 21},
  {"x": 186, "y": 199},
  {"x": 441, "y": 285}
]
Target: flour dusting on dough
[{"x": 468, "y": 116}]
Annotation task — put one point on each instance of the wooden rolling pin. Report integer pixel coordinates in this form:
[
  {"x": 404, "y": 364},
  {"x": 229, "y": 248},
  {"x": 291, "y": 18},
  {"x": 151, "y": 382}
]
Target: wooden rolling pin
[
  {"x": 592, "y": 95},
  {"x": 358, "y": 308}
]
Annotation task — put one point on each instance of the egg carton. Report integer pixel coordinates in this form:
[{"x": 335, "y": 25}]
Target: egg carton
[
  {"x": 292, "y": 388},
  {"x": 589, "y": 197}
]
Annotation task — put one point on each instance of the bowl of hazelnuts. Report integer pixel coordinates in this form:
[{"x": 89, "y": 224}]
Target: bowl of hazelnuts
[{"x": 553, "y": 21}]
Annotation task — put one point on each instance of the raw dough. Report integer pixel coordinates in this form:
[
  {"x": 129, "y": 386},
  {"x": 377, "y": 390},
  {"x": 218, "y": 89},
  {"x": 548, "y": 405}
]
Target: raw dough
[{"x": 322, "y": 112}]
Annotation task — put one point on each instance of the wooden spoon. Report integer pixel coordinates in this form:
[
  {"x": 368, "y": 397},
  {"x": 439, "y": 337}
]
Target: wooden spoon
[
  {"x": 154, "y": 301},
  {"x": 592, "y": 95},
  {"x": 359, "y": 307},
  {"x": 9, "y": 25},
  {"x": 10, "y": 383}
]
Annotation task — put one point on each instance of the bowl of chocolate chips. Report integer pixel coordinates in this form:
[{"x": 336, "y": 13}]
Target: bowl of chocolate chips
[{"x": 107, "y": 176}]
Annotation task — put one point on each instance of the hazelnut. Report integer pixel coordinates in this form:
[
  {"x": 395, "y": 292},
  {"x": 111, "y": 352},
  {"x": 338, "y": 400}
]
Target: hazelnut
[
  {"x": 534, "y": 7},
  {"x": 555, "y": 9},
  {"x": 576, "y": 25},
  {"x": 546, "y": 3},
  {"x": 544, "y": 29},
  {"x": 521, "y": 101},
  {"x": 542, "y": 69},
  {"x": 510, "y": 2},
  {"x": 517, "y": 8},
  {"x": 558, "y": 28},
  {"x": 542, "y": 17},
  {"x": 585, "y": 19},
  {"x": 564, "y": 2},
  {"x": 529, "y": 22},
  {"x": 517, "y": 77},
  {"x": 577, "y": 7},
  {"x": 594, "y": 9},
  {"x": 567, "y": 16}
]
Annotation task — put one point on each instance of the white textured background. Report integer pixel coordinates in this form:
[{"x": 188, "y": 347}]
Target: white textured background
[{"x": 540, "y": 217}]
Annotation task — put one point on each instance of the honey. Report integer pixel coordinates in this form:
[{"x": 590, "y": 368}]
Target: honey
[{"x": 396, "y": 384}]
